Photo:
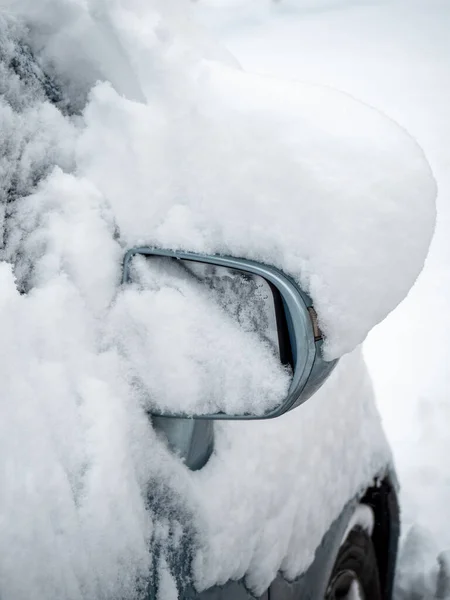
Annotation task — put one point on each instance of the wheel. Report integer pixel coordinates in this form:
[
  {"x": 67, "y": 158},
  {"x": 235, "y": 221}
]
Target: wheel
[{"x": 355, "y": 572}]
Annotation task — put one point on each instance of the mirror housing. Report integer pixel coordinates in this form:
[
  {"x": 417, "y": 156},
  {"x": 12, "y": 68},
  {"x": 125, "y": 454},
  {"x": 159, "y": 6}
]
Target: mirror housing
[{"x": 296, "y": 315}]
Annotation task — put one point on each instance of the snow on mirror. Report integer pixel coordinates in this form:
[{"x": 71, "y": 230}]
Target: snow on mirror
[
  {"x": 213, "y": 336},
  {"x": 247, "y": 298}
]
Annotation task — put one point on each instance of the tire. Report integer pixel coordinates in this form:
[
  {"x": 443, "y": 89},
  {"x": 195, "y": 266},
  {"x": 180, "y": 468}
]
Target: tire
[{"x": 355, "y": 572}]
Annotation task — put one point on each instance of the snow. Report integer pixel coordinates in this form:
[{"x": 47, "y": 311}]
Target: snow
[
  {"x": 167, "y": 589},
  {"x": 147, "y": 139},
  {"x": 394, "y": 56},
  {"x": 280, "y": 487},
  {"x": 348, "y": 186},
  {"x": 363, "y": 516},
  {"x": 355, "y": 592}
]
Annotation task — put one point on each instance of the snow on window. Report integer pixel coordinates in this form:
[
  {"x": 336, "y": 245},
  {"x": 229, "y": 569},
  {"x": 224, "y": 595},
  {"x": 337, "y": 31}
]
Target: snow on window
[{"x": 118, "y": 127}]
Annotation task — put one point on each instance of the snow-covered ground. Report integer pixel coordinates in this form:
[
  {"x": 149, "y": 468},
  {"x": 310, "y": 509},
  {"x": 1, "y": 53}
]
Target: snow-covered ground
[{"x": 396, "y": 56}]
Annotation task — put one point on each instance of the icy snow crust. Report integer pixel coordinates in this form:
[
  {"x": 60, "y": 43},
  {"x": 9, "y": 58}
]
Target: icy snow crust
[{"x": 174, "y": 150}]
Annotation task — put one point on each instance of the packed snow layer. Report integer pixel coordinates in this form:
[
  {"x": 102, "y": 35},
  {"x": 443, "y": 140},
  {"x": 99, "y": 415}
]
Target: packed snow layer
[{"x": 173, "y": 150}]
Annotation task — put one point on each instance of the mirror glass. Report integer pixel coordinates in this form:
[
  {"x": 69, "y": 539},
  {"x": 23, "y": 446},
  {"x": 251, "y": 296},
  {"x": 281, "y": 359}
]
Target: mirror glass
[{"x": 248, "y": 298}]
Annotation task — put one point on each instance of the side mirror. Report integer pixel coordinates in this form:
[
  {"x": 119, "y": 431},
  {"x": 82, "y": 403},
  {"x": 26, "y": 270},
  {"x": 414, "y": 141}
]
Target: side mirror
[{"x": 263, "y": 301}]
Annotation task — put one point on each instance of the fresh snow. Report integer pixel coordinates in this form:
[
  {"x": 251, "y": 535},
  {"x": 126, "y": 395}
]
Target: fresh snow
[
  {"x": 393, "y": 55},
  {"x": 283, "y": 486},
  {"x": 341, "y": 174},
  {"x": 146, "y": 132}
]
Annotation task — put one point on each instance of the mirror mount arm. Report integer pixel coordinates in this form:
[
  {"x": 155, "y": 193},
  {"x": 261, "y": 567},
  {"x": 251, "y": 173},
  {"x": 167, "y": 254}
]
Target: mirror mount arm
[{"x": 192, "y": 440}]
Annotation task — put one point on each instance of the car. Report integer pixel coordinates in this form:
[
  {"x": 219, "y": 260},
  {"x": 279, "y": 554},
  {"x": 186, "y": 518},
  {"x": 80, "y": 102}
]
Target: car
[{"x": 285, "y": 492}]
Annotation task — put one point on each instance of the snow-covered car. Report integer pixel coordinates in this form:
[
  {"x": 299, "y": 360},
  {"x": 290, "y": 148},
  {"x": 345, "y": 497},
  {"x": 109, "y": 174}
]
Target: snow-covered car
[
  {"x": 356, "y": 557},
  {"x": 187, "y": 251}
]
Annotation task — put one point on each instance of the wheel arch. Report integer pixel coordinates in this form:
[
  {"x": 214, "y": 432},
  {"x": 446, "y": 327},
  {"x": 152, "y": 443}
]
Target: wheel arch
[{"x": 382, "y": 498}]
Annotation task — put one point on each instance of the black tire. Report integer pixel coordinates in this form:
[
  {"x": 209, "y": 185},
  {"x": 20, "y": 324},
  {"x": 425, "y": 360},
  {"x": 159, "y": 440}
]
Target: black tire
[{"x": 356, "y": 564}]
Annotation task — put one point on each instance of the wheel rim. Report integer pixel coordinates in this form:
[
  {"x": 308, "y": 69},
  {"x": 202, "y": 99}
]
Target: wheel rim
[{"x": 345, "y": 586}]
